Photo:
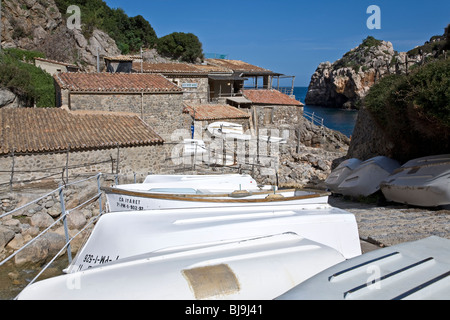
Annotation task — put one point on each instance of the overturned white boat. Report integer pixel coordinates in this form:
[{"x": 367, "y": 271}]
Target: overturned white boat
[
  {"x": 341, "y": 172},
  {"x": 229, "y": 130},
  {"x": 412, "y": 271},
  {"x": 122, "y": 235},
  {"x": 367, "y": 177},
  {"x": 422, "y": 182},
  {"x": 121, "y": 199},
  {"x": 250, "y": 269},
  {"x": 214, "y": 182}
]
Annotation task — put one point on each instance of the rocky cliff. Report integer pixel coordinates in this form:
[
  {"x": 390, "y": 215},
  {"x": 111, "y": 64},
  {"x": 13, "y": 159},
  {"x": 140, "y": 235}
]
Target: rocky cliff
[
  {"x": 38, "y": 25},
  {"x": 344, "y": 83}
]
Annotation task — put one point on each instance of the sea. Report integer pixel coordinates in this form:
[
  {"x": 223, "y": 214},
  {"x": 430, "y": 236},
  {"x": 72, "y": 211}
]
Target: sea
[{"x": 334, "y": 118}]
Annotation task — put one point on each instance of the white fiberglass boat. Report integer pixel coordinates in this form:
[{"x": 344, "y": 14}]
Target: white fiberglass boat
[
  {"x": 417, "y": 270},
  {"x": 250, "y": 269},
  {"x": 339, "y": 174},
  {"x": 122, "y": 235},
  {"x": 367, "y": 177},
  {"x": 422, "y": 182},
  {"x": 235, "y": 131}
]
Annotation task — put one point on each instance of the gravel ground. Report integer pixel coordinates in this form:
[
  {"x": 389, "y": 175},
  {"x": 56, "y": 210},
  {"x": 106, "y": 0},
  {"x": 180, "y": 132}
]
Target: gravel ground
[{"x": 391, "y": 224}]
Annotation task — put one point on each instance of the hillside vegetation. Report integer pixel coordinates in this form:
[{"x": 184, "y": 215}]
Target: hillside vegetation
[
  {"x": 31, "y": 84},
  {"x": 132, "y": 33},
  {"x": 413, "y": 109}
]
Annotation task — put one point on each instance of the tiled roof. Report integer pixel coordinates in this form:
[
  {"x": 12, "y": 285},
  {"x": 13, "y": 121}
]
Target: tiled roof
[
  {"x": 28, "y": 130},
  {"x": 237, "y": 65},
  {"x": 215, "y": 112},
  {"x": 166, "y": 68},
  {"x": 58, "y": 62},
  {"x": 179, "y": 68},
  {"x": 115, "y": 82},
  {"x": 270, "y": 97},
  {"x": 121, "y": 58}
]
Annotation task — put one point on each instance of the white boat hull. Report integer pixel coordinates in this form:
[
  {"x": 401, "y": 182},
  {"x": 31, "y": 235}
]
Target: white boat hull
[
  {"x": 341, "y": 173},
  {"x": 251, "y": 269},
  {"x": 421, "y": 182},
  {"x": 417, "y": 271},
  {"x": 236, "y": 131},
  {"x": 125, "y": 200},
  {"x": 366, "y": 179},
  {"x": 121, "y": 235}
]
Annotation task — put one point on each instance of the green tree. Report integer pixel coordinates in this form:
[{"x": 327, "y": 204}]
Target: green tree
[
  {"x": 130, "y": 33},
  {"x": 183, "y": 46}
]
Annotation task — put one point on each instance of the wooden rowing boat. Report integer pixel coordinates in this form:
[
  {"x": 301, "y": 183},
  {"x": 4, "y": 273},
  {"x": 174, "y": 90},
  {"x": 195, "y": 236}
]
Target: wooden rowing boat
[{"x": 130, "y": 200}]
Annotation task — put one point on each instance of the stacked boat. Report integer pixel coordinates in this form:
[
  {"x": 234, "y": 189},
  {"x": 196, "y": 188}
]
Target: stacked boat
[
  {"x": 421, "y": 182},
  {"x": 355, "y": 178},
  {"x": 257, "y": 248},
  {"x": 191, "y": 191},
  {"x": 242, "y": 251}
]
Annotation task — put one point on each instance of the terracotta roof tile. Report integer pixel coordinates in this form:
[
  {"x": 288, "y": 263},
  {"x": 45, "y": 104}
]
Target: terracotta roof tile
[
  {"x": 236, "y": 65},
  {"x": 45, "y": 130},
  {"x": 58, "y": 62},
  {"x": 115, "y": 82},
  {"x": 179, "y": 68},
  {"x": 270, "y": 97},
  {"x": 168, "y": 68},
  {"x": 215, "y": 112}
]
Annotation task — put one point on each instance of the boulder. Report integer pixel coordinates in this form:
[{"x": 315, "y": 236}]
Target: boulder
[
  {"x": 6, "y": 235},
  {"x": 36, "y": 252},
  {"x": 41, "y": 220},
  {"x": 76, "y": 220}
]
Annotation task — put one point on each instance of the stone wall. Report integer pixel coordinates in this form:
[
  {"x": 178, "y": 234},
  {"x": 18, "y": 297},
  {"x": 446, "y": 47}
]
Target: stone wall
[
  {"x": 286, "y": 119},
  {"x": 194, "y": 95},
  {"x": 51, "y": 167},
  {"x": 162, "y": 112}
]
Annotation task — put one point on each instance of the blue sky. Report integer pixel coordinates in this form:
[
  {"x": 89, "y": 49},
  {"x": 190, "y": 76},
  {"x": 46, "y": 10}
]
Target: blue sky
[{"x": 291, "y": 36}]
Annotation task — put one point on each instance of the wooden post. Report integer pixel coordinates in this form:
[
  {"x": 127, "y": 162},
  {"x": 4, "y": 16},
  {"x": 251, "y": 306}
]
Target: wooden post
[
  {"x": 67, "y": 165},
  {"x": 12, "y": 169},
  {"x": 66, "y": 230},
  {"x": 224, "y": 150},
  {"x": 118, "y": 159},
  {"x": 257, "y": 145}
]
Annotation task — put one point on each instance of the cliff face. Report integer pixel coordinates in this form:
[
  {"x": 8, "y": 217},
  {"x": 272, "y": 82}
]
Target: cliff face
[
  {"x": 38, "y": 25},
  {"x": 344, "y": 83}
]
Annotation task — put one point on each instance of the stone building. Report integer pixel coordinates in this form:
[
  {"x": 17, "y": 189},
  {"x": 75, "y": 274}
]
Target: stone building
[
  {"x": 204, "y": 115},
  {"x": 152, "y": 97},
  {"x": 191, "y": 79},
  {"x": 240, "y": 72},
  {"x": 119, "y": 64},
  {"x": 271, "y": 109},
  {"x": 53, "y": 67},
  {"x": 49, "y": 144}
]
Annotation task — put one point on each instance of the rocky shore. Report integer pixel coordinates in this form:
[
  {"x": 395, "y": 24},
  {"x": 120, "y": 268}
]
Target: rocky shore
[{"x": 345, "y": 82}]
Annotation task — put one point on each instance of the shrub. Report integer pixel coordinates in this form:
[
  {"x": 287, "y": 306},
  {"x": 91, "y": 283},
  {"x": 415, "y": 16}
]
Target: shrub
[
  {"x": 183, "y": 46},
  {"x": 29, "y": 82},
  {"x": 130, "y": 33}
]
